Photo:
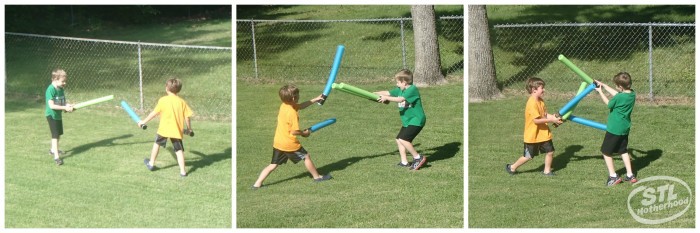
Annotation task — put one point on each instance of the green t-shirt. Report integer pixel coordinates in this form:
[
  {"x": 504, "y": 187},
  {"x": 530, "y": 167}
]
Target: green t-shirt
[
  {"x": 620, "y": 117},
  {"x": 411, "y": 110},
  {"x": 58, "y": 97}
]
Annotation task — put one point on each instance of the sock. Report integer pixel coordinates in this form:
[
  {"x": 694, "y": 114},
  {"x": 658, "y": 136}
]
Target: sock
[
  {"x": 419, "y": 157},
  {"x": 614, "y": 176}
]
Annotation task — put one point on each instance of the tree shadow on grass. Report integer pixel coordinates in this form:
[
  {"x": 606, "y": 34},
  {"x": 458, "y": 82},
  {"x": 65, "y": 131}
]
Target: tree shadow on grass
[
  {"x": 101, "y": 143},
  {"x": 560, "y": 161}
]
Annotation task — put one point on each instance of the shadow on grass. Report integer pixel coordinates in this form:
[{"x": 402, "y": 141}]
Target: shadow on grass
[
  {"x": 101, "y": 143},
  {"x": 207, "y": 160},
  {"x": 443, "y": 152},
  {"x": 559, "y": 161},
  {"x": 639, "y": 163}
]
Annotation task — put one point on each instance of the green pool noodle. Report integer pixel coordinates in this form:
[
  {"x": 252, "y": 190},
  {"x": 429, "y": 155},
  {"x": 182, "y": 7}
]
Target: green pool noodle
[
  {"x": 575, "y": 69},
  {"x": 358, "y": 91},
  {"x": 93, "y": 101},
  {"x": 337, "y": 86}
]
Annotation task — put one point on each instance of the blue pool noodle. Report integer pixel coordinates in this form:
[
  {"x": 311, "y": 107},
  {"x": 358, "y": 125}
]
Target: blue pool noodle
[
  {"x": 587, "y": 122},
  {"x": 322, "y": 124},
  {"x": 334, "y": 72},
  {"x": 577, "y": 99},
  {"x": 131, "y": 113}
]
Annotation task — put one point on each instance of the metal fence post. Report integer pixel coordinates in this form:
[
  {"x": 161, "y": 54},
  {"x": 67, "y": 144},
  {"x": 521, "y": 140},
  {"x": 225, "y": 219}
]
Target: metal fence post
[
  {"x": 255, "y": 53},
  {"x": 651, "y": 64},
  {"x": 403, "y": 46},
  {"x": 140, "y": 79}
]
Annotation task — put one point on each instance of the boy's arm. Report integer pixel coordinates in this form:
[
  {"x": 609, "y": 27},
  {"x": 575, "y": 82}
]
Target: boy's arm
[
  {"x": 304, "y": 133},
  {"x": 548, "y": 118},
  {"x": 148, "y": 118},
  {"x": 54, "y": 106},
  {"x": 610, "y": 90},
  {"x": 600, "y": 91},
  {"x": 382, "y": 93},
  {"x": 383, "y": 98},
  {"x": 310, "y": 102}
]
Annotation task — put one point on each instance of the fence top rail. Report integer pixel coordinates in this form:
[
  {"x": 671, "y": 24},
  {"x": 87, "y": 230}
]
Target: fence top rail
[
  {"x": 593, "y": 24},
  {"x": 338, "y": 20},
  {"x": 118, "y": 42}
]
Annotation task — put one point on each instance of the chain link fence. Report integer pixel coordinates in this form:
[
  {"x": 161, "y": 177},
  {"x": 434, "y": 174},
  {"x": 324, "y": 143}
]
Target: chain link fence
[
  {"x": 659, "y": 56},
  {"x": 131, "y": 71},
  {"x": 303, "y": 50}
]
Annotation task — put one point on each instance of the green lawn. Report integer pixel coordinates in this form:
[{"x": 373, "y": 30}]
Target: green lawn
[
  {"x": 661, "y": 143},
  {"x": 368, "y": 189},
  {"x": 103, "y": 182}
]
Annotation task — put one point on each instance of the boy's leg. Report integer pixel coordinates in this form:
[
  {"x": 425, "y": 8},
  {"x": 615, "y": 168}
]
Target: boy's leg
[
  {"x": 154, "y": 154},
  {"x": 265, "y": 172},
  {"x": 409, "y": 147},
  {"x": 402, "y": 152},
  {"x": 181, "y": 161},
  {"x": 54, "y": 147},
  {"x": 311, "y": 167},
  {"x": 610, "y": 165},
  {"x": 548, "y": 158},
  {"x": 628, "y": 164},
  {"x": 522, "y": 160}
]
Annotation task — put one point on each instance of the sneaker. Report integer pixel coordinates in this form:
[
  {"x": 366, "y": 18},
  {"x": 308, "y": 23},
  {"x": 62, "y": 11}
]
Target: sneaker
[
  {"x": 549, "y": 174},
  {"x": 58, "y": 161},
  {"x": 403, "y": 165},
  {"x": 252, "y": 187},
  {"x": 323, "y": 178},
  {"x": 631, "y": 179},
  {"x": 150, "y": 168},
  {"x": 613, "y": 181},
  {"x": 511, "y": 172},
  {"x": 183, "y": 175},
  {"x": 417, "y": 163}
]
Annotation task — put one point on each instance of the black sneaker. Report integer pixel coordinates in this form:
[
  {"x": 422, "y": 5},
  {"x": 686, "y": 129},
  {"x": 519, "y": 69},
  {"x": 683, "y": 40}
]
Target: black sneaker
[
  {"x": 631, "y": 179},
  {"x": 417, "y": 163},
  {"x": 613, "y": 181},
  {"x": 58, "y": 161},
  {"x": 149, "y": 167},
  {"x": 323, "y": 178},
  {"x": 511, "y": 172},
  {"x": 403, "y": 165},
  {"x": 60, "y": 152}
]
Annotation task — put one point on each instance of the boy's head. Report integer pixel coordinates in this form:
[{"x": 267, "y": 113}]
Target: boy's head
[
  {"x": 404, "y": 78},
  {"x": 173, "y": 85},
  {"x": 533, "y": 83},
  {"x": 289, "y": 94},
  {"x": 623, "y": 80},
  {"x": 58, "y": 77}
]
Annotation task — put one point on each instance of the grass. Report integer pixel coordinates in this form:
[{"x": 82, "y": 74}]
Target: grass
[
  {"x": 300, "y": 51},
  {"x": 662, "y": 143},
  {"x": 103, "y": 183},
  {"x": 368, "y": 189}
]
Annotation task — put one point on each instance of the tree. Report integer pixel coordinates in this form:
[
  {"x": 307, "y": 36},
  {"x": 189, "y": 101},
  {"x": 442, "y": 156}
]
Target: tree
[
  {"x": 428, "y": 69},
  {"x": 482, "y": 71}
]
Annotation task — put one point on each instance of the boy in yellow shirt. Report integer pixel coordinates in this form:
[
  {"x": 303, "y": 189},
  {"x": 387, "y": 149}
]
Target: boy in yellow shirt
[
  {"x": 174, "y": 114},
  {"x": 286, "y": 146},
  {"x": 537, "y": 136}
]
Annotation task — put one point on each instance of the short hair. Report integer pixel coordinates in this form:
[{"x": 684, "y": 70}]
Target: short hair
[
  {"x": 173, "y": 85},
  {"x": 288, "y": 92},
  {"x": 404, "y": 75},
  {"x": 58, "y": 73},
  {"x": 533, "y": 83},
  {"x": 624, "y": 80}
]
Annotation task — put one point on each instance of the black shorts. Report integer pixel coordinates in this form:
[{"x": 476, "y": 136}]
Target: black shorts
[
  {"x": 177, "y": 143},
  {"x": 409, "y": 133},
  {"x": 280, "y": 157},
  {"x": 533, "y": 149},
  {"x": 614, "y": 144},
  {"x": 56, "y": 127}
]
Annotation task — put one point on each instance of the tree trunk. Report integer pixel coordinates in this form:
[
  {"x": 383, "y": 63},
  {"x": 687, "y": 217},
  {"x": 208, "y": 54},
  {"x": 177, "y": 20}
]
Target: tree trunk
[
  {"x": 427, "y": 71},
  {"x": 482, "y": 71}
]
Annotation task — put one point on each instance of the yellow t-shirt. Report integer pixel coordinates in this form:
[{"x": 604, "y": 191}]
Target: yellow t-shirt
[
  {"x": 173, "y": 111},
  {"x": 287, "y": 121},
  {"x": 535, "y": 132}
]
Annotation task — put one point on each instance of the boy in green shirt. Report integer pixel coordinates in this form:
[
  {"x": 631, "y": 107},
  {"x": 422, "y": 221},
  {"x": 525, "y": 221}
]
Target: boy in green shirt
[
  {"x": 619, "y": 124},
  {"x": 412, "y": 116},
  {"x": 55, "y": 105}
]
